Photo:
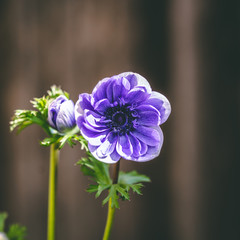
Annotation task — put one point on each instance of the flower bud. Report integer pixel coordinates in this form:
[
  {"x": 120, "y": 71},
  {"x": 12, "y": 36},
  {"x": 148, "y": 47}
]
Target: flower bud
[
  {"x": 3, "y": 236},
  {"x": 61, "y": 114}
]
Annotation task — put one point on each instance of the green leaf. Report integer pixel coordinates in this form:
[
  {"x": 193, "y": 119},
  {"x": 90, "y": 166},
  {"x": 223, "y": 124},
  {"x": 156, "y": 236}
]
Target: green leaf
[
  {"x": 92, "y": 188},
  {"x": 113, "y": 195},
  {"x": 3, "y": 217},
  {"x": 48, "y": 141},
  {"x": 17, "y": 232},
  {"x": 132, "y": 178},
  {"x": 137, "y": 188},
  {"x": 123, "y": 192},
  {"x": 98, "y": 171},
  {"x": 101, "y": 188}
]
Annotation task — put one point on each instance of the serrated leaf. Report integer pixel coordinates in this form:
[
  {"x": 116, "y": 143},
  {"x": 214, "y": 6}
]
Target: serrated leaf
[
  {"x": 101, "y": 188},
  {"x": 137, "y": 188},
  {"x": 113, "y": 196},
  {"x": 98, "y": 171},
  {"x": 3, "y": 217},
  {"x": 123, "y": 192},
  {"x": 92, "y": 188}
]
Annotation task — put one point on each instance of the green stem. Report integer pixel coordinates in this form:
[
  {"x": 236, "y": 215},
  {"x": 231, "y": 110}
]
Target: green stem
[
  {"x": 54, "y": 156},
  {"x": 111, "y": 209},
  {"x": 110, "y": 217}
]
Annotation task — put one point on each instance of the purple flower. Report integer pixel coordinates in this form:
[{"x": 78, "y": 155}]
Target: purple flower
[
  {"x": 121, "y": 118},
  {"x": 61, "y": 114}
]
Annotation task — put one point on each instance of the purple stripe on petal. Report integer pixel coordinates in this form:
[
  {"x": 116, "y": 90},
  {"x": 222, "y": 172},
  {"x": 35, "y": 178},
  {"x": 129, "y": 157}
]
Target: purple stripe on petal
[{"x": 148, "y": 135}]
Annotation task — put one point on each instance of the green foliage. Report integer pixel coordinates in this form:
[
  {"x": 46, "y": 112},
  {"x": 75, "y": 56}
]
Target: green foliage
[
  {"x": 15, "y": 232},
  {"x": 3, "y": 217},
  {"x": 25, "y": 118},
  {"x": 99, "y": 173}
]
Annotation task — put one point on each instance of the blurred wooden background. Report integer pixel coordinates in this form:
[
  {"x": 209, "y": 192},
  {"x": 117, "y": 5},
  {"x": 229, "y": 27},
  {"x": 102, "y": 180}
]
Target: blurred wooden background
[{"x": 188, "y": 50}]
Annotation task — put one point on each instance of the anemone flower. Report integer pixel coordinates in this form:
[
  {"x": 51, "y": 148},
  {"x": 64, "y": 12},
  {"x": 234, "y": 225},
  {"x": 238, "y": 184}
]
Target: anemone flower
[{"x": 121, "y": 118}]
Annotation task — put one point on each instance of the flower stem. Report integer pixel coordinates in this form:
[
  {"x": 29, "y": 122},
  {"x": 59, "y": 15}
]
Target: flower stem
[
  {"x": 54, "y": 156},
  {"x": 111, "y": 209}
]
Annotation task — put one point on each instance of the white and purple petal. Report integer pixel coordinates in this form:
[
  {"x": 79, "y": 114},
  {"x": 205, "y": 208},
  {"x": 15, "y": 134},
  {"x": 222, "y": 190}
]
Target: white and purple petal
[
  {"x": 124, "y": 147},
  {"x": 152, "y": 151},
  {"x": 66, "y": 118},
  {"x": 161, "y": 103},
  {"x": 136, "y": 79}
]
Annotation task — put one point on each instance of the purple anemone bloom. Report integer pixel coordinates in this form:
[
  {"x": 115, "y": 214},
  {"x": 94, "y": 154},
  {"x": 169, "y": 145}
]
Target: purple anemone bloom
[
  {"x": 61, "y": 114},
  {"x": 121, "y": 118}
]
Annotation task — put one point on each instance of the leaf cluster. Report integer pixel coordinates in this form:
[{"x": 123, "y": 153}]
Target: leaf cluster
[
  {"x": 15, "y": 231},
  {"x": 99, "y": 173},
  {"x": 39, "y": 116}
]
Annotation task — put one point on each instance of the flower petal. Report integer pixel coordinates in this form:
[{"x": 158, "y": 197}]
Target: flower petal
[
  {"x": 99, "y": 92},
  {"x": 84, "y": 102},
  {"x": 161, "y": 103},
  {"x": 92, "y": 135},
  {"x": 124, "y": 147},
  {"x": 152, "y": 151},
  {"x": 102, "y": 105},
  {"x": 120, "y": 88},
  {"x": 144, "y": 148},
  {"x": 148, "y": 118},
  {"x": 108, "y": 146},
  {"x": 148, "y": 135},
  {"x": 136, "y": 95},
  {"x": 54, "y": 108},
  {"x": 136, "y": 146},
  {"x": 66, "y": 117},
  {"x": 136, "y": 79},
  {"x": 112, "y": 158},
  {"x": 94, "y": 119}
]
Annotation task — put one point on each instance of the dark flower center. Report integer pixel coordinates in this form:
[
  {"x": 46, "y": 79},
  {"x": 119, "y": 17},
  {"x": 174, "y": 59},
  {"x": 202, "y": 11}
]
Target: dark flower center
[{"x": 122, "y": 118}]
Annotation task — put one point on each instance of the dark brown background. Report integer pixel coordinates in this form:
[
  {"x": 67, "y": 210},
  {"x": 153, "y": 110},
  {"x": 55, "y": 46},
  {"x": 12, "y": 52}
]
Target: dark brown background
[{"x": 188, "y": 50}]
